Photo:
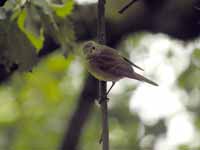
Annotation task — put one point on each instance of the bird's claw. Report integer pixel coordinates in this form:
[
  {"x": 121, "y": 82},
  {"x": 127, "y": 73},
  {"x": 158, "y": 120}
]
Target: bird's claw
[{"x": 103, "y": 98}]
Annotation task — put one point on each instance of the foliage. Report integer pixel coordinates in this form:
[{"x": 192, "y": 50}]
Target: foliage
[
  {"x": 30, "y": 19},
  {"x": 37, "y": 105},
  {"x": 30, "y": 98},
  {"x": 190, "y": 78},
  {"x": 15, "y": 47}
]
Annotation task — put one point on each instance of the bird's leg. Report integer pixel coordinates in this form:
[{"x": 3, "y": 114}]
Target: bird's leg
[
  {"x": 106, "y": 95},
  {"x": 113, "y": 83}
]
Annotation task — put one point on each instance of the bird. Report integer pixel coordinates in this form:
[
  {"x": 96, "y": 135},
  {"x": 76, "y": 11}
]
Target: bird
[{"x": 106, "y": 64}]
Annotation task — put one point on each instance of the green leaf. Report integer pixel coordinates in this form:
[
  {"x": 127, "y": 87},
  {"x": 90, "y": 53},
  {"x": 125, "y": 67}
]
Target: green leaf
[
  {"x": 8, "y": 108},
  {"x": 196, "y": 58},
  {"x": 15, "y": 47},
  {"x": 183, "y": 147},
  {"x": 189, "y": 79},
  {"x": 63, "y": 10},
  {"x": 37, "y": 41}
]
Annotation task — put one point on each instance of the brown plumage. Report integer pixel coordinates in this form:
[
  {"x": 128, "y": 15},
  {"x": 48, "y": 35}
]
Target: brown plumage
[{"x": 106, "y": 64}]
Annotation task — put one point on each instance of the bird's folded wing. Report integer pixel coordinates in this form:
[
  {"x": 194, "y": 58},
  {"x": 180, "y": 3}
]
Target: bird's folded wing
[
  {"x": 112, "y": 65},
  {"x": 103, "y": 62},
  {"x": 131, "y": 63},
  {"x": 110, "y": 51}
]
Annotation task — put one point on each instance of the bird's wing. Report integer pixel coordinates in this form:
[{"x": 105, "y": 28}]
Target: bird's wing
[
  {"x": 108, "y": 50},
  {"x": 103, "y": 62},
  {"x": 113, "y": 65},
  {"x": 131, "y": 63},
  {"x": 122, "y": 69}
]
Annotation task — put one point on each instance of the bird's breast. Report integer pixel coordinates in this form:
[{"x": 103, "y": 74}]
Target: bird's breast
[{"x": 100, "y": 71}]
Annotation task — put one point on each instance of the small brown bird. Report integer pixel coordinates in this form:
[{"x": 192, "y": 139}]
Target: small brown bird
[{"x": 106, "y": 64}]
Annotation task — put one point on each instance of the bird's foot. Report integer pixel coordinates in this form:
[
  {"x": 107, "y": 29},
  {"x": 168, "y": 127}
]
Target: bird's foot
[{"x": 103, "y": 98}]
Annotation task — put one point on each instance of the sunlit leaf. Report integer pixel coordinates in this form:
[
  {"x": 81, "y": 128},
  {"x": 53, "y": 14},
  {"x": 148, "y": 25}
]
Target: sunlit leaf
[
  {"x": 63, "y": 10},
  {"x": 184, "y": 147},
  {"x": 37, "y": 41},
  {"x": 59, "y": 63},
  {"x": 189, "y": 79},
  {"x": 196, "y": 58},
  {"x": 8, "y": 107}
]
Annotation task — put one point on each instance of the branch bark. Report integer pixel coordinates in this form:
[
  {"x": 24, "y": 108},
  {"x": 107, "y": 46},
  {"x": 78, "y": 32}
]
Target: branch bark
[{"x": 102, "y": 84}]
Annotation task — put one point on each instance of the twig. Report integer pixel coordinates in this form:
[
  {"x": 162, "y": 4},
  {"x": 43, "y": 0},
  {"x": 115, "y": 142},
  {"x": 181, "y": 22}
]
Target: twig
[
  {"x": 104, "y": 109},
  {"x": 102, "y": 84},
  {"x": 126, "y": 6}
]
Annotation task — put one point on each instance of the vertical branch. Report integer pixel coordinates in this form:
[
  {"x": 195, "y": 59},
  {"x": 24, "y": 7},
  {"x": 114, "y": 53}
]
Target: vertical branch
[
  {"x": 101, "y": 22},
  {"x": 102, "y": 84}
]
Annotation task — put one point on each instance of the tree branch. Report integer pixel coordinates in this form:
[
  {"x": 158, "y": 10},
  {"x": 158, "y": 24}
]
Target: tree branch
[{"x": 102, "y": 84}]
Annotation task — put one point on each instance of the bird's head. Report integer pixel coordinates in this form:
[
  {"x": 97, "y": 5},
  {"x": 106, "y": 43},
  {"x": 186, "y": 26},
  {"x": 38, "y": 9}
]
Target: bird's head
[{"x": 90, "y": 48}]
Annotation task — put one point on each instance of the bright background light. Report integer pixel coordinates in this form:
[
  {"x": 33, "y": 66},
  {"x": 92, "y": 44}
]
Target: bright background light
[
  {"x": 163, "y": 60},
  {"x": 85, "y": 1}
]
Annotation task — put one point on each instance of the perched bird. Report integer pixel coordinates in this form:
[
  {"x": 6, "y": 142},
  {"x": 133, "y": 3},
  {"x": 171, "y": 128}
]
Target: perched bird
[{"x": 106, "y": 64}]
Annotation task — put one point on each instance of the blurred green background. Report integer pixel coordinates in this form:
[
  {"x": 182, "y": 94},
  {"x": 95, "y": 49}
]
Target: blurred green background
[{"x": 40, "y": 86}]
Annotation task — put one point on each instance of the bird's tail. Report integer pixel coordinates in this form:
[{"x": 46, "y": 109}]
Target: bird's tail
[{"x": 142, "y": 78}]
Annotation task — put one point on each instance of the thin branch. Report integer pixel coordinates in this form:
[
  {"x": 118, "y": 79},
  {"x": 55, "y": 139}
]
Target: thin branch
[
  {"x": 104, "y": 110},
  {"x": 102, "y": 84},
  {"x": 124, "y": 8}
]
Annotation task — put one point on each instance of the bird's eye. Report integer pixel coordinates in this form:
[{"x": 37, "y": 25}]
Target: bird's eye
[{"x": 93, "y": 47}]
